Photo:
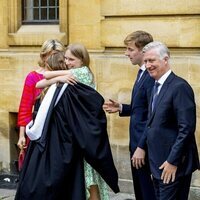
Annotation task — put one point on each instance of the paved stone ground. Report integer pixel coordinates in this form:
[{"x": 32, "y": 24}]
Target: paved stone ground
[
  {"x": 8, "y": 189},
  {"x": 121, "y": 196},
  {"x": 9, "y": 194}
]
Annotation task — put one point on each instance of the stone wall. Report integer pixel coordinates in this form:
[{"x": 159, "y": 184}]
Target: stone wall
[{"x": 102, "y": 27}]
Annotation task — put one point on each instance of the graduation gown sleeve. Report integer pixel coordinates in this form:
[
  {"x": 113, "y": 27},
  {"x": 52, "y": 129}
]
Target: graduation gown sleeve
[{"x": 87, "y": 121}]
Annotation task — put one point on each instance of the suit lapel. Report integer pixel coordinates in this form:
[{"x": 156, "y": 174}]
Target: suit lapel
[
  {"x": 162, "y": 93},
  {"x": 138, "y": 85},
  {"x": 142, "y": 78}
]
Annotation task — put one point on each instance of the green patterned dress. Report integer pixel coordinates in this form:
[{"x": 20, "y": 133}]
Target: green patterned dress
[{"x": 92, "y": 177}]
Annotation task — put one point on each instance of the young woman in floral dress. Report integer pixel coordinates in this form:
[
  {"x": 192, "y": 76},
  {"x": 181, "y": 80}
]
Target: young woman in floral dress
[{"x": 77, "y": 60}]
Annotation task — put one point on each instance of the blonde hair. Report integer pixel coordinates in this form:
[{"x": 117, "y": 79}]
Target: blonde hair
[
  {"x": 46, "y": 49},
  {"x": 140, "y": 38}
]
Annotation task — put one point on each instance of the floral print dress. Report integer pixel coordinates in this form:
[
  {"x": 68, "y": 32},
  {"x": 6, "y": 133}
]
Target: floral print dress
[{"x": 92, "y": 177}]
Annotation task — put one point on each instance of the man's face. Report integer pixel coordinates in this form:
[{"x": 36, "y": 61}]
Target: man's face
[
  {"x": 154, "y": 64},
  {"x": 135, "y": 55}
]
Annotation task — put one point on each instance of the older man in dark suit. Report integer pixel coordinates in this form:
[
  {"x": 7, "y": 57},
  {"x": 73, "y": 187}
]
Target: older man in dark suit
[{"x": 169, "y": 133}]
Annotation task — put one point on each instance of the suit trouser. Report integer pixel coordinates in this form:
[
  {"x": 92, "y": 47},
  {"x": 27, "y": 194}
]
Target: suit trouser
[
  {"x": 143, "y": 184},
  {"x": 177, "y": 190}
]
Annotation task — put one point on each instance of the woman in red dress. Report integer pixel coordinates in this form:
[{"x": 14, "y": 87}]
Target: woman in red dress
[{"x": 30, "y": 94}]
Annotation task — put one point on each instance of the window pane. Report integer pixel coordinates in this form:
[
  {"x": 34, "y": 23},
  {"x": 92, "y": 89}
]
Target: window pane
[
  {"x": 43, "y": 2},
  {"x": 36, "y": 14},
  {"x": 52, "y": 13},
  {"x": 43, "y": 13},
  {"x": 36, "y": 3},
  {"x": 52, "y": 3},
  {"x": 40, "y": 11},
  {"x": 57, "y": 17}
]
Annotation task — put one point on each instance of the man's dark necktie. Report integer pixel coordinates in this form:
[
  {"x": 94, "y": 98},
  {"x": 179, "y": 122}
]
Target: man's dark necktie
[{"x": 154, "y": 95}]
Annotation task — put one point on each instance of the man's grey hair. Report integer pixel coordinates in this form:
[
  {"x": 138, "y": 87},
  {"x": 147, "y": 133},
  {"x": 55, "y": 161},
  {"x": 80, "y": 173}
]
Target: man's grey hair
[{"x": 161, "y": 49}]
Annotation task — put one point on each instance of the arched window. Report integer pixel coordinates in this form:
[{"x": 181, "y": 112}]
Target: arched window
[{"x": 40, "y": 11}]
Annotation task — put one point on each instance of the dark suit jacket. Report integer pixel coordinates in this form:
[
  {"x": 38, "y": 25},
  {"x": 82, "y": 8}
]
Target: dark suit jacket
[
  {"x": 138, "y": 109},
  {"x": 169, "y": 134}
]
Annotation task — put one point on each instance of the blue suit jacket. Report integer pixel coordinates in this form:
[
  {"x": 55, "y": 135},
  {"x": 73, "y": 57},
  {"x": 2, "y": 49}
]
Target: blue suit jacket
[
  {"x": 138, "y": 109},
  {"x": 169, "y": 134}
]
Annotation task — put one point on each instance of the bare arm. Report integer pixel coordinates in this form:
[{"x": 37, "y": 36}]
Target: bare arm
[
  {"x": 70, "y": 79},
  {"x": 45, "y": 83},
  {"x": 22, "y": 140},
  {"x": 53, "y": 74}
]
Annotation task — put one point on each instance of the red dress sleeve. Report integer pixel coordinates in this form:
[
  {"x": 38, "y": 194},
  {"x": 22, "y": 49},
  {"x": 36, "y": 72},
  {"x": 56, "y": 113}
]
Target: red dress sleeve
[{"x": 29, "y": 95}]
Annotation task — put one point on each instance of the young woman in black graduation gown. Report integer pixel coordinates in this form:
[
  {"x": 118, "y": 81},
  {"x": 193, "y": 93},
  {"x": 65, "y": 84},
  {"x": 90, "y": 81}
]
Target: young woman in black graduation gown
[{"x": 74, "y": 129}]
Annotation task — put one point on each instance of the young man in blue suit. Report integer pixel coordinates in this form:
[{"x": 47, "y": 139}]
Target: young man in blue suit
[
  {"x": 137, "y": 110},
  {"x": 169, "y": 134}
]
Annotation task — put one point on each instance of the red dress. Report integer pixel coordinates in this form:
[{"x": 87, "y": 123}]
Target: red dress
[{"x": 28, "y": 98}]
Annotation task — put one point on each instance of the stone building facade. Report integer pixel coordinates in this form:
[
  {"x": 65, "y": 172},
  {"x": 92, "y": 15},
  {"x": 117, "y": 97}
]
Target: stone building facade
[{"x": 101, "y": 25}]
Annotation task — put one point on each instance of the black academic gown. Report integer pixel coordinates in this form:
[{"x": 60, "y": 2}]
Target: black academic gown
[{"x": 74, "y": 130}]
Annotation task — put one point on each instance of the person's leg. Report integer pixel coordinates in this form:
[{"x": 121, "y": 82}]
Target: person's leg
[
  {"x": 156, "y": 188},
  {"x": 94, "y": 193},
  {"x": 184, "y": 187},
  {"x": 143, "y": 184},
  {"x": 165, "y": 191},
  {"x": 177, "y": 190}
]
